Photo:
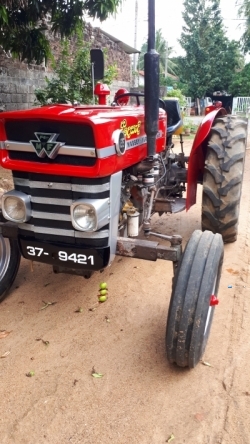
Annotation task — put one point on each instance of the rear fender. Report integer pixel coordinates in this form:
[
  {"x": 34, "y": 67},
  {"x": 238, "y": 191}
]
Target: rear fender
[{"x": 197, "y": 156}]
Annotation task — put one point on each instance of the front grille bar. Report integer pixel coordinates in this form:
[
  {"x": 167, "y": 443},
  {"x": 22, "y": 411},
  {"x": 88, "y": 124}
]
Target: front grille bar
[
  {"x": 62, "y": 186},
  {"x": 66, "y": 150},
  {"x": 51, "y": 197},
  {"x": 60, "y": 232}
]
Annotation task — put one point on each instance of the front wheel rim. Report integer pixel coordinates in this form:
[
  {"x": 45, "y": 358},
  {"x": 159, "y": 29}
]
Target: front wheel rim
[
  {"x": 5, "y": 252},
  {"x": 210, "y": 309}
]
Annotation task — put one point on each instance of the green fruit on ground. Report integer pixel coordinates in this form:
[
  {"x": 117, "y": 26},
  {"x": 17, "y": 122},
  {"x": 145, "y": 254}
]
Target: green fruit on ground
[
  {"x": 103, "y": 292},
  {"x": 103, "y": 285},
  {"x": 102, "y": 298}
]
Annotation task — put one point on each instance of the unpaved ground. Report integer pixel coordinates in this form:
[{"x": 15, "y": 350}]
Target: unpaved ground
[{"x": 141, "y": 399}]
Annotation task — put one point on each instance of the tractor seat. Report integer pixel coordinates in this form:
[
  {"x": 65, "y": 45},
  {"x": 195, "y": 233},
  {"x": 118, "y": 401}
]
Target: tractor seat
[{"x": 174, "y": 119}]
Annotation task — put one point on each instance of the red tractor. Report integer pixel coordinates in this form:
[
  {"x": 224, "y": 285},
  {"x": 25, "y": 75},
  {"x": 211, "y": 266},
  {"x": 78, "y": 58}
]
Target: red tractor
[
  {"x": 217, "y": 104},
  {"x": 88, "y": 178}
]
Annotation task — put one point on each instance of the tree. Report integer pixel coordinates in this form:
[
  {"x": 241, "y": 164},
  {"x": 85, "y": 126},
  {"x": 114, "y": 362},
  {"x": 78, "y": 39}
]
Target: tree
[
  {"x": 211, "y": 58},
  {"x": 240, "y": 85},
  {"x": 179, "y": 83},
  {"x": 244, "y": 11},
  {"x": 24, "y": 26},
  {"x": 230, "y": 61},
  {"x": 164, "y": 52},
  {"x": 72, "y": 80}
]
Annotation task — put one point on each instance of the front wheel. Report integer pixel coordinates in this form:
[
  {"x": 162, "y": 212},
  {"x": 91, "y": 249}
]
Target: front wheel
[
  {"x": 9, "y": 264},
  {"x": 193, "y": 299},
  {"x": 223, "y": 176}
]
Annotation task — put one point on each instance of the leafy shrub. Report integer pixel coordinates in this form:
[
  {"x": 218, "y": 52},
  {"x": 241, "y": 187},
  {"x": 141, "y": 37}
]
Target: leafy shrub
[
  {"x": 178, "y": 94},
  {"x": 71, "y": 81}
]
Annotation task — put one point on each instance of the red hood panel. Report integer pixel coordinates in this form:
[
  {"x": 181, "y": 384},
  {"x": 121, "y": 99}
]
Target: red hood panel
[{"x": 74, "y": 126}]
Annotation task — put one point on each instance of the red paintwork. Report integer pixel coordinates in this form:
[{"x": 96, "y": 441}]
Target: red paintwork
[
  {"x": 213, "y": 300},
  {"x": 104, "y": 120},
  {"x": 216, "y": 105},
  {"x": 102, "y": 91},
  {"x": 122, "y": 100},
  {"x": 197, "y": 155}
]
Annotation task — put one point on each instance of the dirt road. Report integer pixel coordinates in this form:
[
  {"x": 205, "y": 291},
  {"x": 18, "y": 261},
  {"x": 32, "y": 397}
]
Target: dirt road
[{"x": 141, "y": 399}]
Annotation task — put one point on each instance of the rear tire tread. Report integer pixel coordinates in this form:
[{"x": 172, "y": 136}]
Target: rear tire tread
[{"x": 223, "y": 175}]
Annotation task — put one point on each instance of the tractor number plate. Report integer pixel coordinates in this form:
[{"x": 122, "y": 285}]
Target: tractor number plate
[{"x": 71, "y": 257}]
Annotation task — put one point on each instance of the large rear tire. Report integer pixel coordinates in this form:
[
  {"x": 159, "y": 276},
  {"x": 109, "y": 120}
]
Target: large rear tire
[
  {"x": 190, "y": 312},
  {"x": 223, "y": 175},
  {"x": 9, "y": 264}
]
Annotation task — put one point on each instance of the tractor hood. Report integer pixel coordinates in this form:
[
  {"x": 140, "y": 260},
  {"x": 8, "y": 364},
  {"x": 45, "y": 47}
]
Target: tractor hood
[
  {"x": 94, "y": 141},
  {"x": 76, "y": 113}
]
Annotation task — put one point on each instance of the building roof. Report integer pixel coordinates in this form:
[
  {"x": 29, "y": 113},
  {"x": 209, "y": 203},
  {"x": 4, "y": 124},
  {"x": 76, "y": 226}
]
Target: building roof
[{"x": 126, "y": 48}]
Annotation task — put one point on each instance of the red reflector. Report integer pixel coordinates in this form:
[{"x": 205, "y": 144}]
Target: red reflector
[{"x": 213, "y": 300}]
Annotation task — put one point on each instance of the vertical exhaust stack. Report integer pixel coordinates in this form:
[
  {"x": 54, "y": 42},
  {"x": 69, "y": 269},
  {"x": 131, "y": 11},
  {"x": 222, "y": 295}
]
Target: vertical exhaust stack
[{"x": 151, "y": 89}]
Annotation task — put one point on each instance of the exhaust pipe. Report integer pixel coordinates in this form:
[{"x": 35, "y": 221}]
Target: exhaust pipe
[{"x": 152, "y": 81}]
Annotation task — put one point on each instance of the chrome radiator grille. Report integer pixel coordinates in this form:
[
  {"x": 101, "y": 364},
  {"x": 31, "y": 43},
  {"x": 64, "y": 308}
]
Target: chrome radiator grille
[
  {"x": 69, "y": 133},
  {"x": 78, "y": 142},
  {"x": 51, "y": 197}
]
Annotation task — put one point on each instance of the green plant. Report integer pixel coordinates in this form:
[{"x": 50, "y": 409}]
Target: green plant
[
  {"x": 187, "y": 123},
  {"x": 111, "y": 72},
  {"x": 189, "y": 126},
  {"x": 193, "y": 127},
  {"x": 71, "y": 81},
  {"x": 186, "y": 129},
  {"x": 178, "y": 94},
  {"x": 26, "y": 33}
]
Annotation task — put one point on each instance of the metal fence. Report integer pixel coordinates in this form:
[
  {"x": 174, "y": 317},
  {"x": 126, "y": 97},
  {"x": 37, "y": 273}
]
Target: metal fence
[{"x": 241, "y": 105}]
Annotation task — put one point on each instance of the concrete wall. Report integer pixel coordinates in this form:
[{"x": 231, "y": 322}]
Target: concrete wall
[{"x": 18, "y": 80}]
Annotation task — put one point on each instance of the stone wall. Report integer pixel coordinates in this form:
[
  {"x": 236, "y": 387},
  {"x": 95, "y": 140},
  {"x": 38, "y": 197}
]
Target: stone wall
[
  {"x": 114, "y": 54},
  {"x": 18, "y": 80}
]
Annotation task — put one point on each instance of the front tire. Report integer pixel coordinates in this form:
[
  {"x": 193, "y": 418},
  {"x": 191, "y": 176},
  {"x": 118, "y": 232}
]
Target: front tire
[
  {"x": 223, "y": 176},
  {"x": 9, "y": 264},
  {"x": 190, "y": 312}
]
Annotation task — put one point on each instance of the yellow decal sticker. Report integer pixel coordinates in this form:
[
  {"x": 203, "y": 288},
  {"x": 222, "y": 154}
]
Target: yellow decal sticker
[{"x": 129, "y": 130}]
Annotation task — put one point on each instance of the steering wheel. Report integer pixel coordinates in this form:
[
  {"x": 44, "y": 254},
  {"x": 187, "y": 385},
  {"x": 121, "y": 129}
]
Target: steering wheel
[
  {"x": 137, "y": 95},
  {"x": 130, "y": 94}
]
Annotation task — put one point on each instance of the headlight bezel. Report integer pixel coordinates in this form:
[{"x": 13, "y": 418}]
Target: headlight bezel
[
  {"x": 101, "y": 208},
  {"x": 20, "y": 197},
  {"x": 120, "y": 142}
]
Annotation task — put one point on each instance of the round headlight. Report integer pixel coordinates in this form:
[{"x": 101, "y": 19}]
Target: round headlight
[
  {"x": 85, "y": 217},
  {"x": 120, "y": 142},
  {"x": 14, "y": 208}
]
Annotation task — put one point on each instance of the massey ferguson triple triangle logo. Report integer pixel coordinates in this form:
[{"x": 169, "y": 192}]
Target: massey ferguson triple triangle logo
[{"x": 46, "y": 144}]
